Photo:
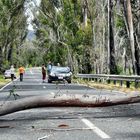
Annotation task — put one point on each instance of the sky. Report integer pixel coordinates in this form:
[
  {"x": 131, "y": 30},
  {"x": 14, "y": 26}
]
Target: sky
[{"x": 29, "y": 6}]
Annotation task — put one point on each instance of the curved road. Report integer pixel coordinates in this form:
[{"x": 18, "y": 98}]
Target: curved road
[{"x": 114, "y": 123}]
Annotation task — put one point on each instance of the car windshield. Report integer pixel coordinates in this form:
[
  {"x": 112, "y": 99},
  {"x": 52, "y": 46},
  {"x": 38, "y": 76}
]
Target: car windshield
[
  {"x": 60, "y": 69},
  {"x": 7, "y": 71}
]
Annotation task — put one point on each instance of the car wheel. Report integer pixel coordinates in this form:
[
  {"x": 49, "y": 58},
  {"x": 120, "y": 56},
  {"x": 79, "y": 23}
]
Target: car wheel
[
  {"x": 49, "y": 81},
  {"x": 69, "y": 81}
]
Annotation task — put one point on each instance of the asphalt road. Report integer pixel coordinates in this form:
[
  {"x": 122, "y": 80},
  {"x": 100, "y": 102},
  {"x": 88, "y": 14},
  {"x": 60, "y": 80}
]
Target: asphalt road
[{"x": 121, "y": 122}]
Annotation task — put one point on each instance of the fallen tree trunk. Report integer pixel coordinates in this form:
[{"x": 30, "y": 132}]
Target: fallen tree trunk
[{"x": 64, "y": 101}]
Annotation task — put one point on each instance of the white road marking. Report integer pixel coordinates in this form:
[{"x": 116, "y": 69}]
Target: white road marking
[
  {"x": 8, "y": 84},
  {"x": 43, "y": 137},
  {"x": 98, "y": 131},
  {"x": 44, "y": 87},
  {"x": 5, "y": 86},
  {"x": 31, "y": 71},
  {"x": 52, "y": 93}
]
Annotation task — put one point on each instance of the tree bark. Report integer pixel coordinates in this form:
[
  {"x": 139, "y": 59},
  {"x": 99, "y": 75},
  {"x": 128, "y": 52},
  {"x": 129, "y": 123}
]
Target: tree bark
[
  {"x": 1, "y": 59},
  {"x": 131, "y": 35},
  {"x": 137, "y": 41},
  {"x": 112, "y": 68},
  {"x": 64, "y": 101},
  {"x": 85, "y": 9}
]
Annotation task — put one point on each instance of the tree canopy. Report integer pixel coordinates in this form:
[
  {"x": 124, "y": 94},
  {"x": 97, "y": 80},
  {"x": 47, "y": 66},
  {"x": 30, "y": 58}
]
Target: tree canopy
[{"x": 88, "y": 36}]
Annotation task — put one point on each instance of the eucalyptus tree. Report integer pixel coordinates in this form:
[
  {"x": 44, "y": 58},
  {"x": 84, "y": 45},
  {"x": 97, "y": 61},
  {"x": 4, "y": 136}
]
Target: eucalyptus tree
[
  {"x": 78, "y": 33},
  {"x": 119, "y": 43},
  {"x": 97, "y": 14},
  {"x": 45, "y": 25},
  {"x": 12, "y": 30},
  {"x": 65, "y": 32},
  {"x": 131, "y": 13},
  {"x": 111, "y": 49}
]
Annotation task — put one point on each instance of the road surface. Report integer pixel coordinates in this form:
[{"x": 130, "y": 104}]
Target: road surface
[{"x": 121, "y": 122}]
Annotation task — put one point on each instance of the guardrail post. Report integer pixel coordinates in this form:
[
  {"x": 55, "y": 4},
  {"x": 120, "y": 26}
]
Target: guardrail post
[
  {"x": 114, "y": 82},
  {"x": 121, "y": 83},
  {"x": 128, "y": 84},
  {"x": 99, "y": 80},
  {"x": 114, "y": 78},
  {"x": 103, "y": 80},
  {"x": 95, "y": 79},
  {"x": 108, "y": 81},
  {"x": 136, "y": 83}
]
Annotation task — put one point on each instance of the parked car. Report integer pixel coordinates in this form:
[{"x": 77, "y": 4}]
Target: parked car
[
  {"x": 7, "y": 74},
  {"x": 58, "y": 73}
]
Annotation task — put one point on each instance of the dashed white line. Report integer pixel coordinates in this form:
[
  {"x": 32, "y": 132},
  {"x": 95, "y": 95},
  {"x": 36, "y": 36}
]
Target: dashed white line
[
  {"x": 52, "y": 93},
  {"x": 44, "y": 137},
  {"x": 98, "y": 131},
  {"x": 31, "y": 71}
]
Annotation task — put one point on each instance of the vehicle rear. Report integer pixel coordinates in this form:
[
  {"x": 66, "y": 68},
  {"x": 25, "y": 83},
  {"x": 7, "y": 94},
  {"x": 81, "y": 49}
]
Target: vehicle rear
[{"x": 7, "y": 74}]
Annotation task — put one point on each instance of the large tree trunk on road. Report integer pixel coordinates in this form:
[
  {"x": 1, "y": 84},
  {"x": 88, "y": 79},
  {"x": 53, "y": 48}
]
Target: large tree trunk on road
[{"x": 64, "y": 101}]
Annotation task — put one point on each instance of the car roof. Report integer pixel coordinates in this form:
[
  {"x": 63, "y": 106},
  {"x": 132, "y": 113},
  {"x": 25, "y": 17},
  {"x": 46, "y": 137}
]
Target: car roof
[
  {"x": 7, "y": 70},
  {"x": 60, "y": 68}
]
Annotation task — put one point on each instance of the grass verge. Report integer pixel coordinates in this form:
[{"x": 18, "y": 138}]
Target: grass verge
[
  {"x": 110, "y": 86},
  {"x": 3, "y": 81}
]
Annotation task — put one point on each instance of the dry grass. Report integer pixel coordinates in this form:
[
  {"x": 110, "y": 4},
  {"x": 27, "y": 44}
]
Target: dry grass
[
  {"x": 108, "y": 86},
  {"x": 4, "y": 81}
]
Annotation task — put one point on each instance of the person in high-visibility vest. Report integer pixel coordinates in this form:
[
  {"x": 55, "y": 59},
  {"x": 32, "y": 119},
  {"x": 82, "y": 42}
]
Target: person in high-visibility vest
[{"x": 21, "y": 72}]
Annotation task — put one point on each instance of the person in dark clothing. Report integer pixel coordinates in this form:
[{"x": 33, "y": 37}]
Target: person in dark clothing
[{"x": 43, "y": 73}]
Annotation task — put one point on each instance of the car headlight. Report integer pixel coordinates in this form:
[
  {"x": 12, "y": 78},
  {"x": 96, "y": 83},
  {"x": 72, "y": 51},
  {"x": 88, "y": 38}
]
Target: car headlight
[
  {"x": 69, "y": 74},
  {"x": 52, "y": 74}
]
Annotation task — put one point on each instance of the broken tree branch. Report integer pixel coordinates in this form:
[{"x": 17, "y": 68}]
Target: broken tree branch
[{"x": 64, "y": 101}]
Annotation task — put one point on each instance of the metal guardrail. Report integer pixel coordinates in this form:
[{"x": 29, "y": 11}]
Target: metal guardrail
[{"x": 115, "y": 78}]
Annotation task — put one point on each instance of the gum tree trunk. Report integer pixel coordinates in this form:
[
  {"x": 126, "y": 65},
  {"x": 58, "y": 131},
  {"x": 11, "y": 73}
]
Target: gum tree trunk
[
  {"x": 1, "y": 58},
  {"x": 112, "y": 68},
  {"x": 64, "y": 101},
  {"x": 131, "y": 35}
]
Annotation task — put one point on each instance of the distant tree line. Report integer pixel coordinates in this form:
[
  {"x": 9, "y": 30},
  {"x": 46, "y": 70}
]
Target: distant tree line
[{"x": 89, "y": 36}]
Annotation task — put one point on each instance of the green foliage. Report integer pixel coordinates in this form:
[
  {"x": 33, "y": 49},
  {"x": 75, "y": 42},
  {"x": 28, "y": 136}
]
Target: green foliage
[
  {"x": 119, "y": 70},
  {"x": 61, "y": 35},
  {"x": 6, "y": 65},
  {"x": 12, "y": 31},
  {"x": 120, "y": 22}
]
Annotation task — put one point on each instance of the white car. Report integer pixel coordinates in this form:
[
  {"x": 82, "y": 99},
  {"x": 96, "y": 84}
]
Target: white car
[{"x": 7, "y": 74}]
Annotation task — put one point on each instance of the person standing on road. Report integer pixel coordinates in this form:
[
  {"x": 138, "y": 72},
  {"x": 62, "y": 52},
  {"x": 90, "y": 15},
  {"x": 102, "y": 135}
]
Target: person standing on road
[
  {"x": 58, "y": 64},
  {"x": 49, "y": 67},
  {"x": 12, "y": 71},
  {"x": 43, "y": 73},
  {"x": 21, "y": 72}
]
